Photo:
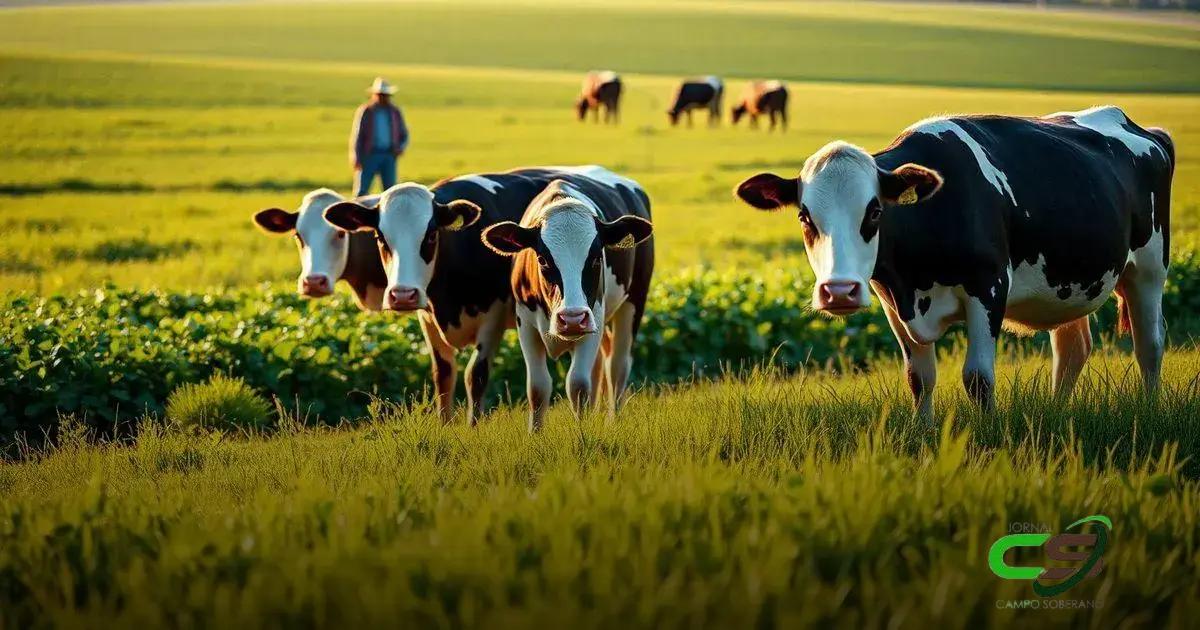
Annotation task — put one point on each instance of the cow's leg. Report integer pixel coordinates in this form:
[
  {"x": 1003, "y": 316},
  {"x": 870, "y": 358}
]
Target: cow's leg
[
  {"x": 1141, "y": 288},
  {"x": 445, "y": 368},
  {"x": 620, "y": 360},
  {"x": 689, "y": 117},
  {"x": 783, "y": 120},
  {"x": 599, "y": 374},
  {"x": 487, "y": 342},
  {"x": 920, "y": 364},
  {"x": 537, "y": 374},
  {"x": 1071, "y": 343},
  {"x": 579, "y": 375},
  {"x": 979, "y": 372}
]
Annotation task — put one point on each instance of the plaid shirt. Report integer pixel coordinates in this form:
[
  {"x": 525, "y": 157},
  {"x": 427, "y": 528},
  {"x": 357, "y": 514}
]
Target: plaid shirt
[{"x": 362, "y": 133}]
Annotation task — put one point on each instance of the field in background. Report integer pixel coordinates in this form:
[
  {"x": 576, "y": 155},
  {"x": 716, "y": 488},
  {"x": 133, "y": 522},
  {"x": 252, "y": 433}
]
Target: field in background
[{"x": 136, "y": 141}]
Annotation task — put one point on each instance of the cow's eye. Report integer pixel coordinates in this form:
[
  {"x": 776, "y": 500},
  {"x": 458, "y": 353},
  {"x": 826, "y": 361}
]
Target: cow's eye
[
  {"x": 339, "y": 235},
  {"x": 542, "y": 261},
  {"x": 874, "y": 211},
  {"x": 806, "y": 217}
]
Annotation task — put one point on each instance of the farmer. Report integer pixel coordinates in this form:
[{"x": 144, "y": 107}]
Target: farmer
[{"x": 377, "y": 138}]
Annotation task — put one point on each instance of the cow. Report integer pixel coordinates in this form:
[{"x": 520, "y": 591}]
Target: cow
[
  {"x": 437, "y": 266},
  {"x": 581, "y": 273},
  {"x": 759, "y": 98},
  {"x": 600, "y": 89},
  {"x": 995, "y": 221},
  {"x": 328, "y": 254},
  {"x": 693, "y": 94}
]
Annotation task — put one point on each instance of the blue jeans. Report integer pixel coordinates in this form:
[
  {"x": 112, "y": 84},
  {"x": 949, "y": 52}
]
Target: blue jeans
[{"x": 381, "y": 164}]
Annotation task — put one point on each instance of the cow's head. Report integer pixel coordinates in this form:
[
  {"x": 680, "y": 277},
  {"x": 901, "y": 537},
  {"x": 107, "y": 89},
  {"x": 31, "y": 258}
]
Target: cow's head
[
  {"x": 581, "y": 107},
  {"x": 673, "y": 116},
  {"x": 841, "y": 195},
  {"x": 407, "y": 224},
  {"x": 323, "y": 247},
  {"x": 562, "y": 257},
  {"x": 736, "y": 113}
]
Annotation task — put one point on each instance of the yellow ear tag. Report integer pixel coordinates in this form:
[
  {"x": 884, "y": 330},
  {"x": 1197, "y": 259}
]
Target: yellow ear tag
[
  {"x": 626, "y": 242},
  {"x": 457, "y": 225},
  {"x": 908, "y": 196}
]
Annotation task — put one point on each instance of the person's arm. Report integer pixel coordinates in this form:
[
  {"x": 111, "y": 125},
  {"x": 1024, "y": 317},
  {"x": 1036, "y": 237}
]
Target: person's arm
[
  {"x": 401, "y": 132},
  {"x": 356, "y": 131}
]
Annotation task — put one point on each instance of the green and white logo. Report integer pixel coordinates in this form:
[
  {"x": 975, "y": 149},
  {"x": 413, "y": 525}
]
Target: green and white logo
[{"x": 1052, "y": 581}]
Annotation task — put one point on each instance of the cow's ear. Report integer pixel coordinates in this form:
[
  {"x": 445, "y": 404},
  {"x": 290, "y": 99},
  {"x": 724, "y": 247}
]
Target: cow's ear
[
  {"x": 276, "y": 221},
  {"x": 908, "y": 184},
  {"x": 768, "y": 191},
  {"x": 456, "y": 215},
  {"x": 352, "y": 217},
  {"x": 625, "y": 232},
  {"x": 508, "y": 238}
]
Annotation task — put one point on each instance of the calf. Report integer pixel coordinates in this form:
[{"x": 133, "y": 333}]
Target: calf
[
  {"x": 437, "y": 266},
  {"x": 763, "y": 97},
  {"x": 1026, "y": 223},
  {"x": 328, "y": 254},
  {"x": 600, "y": 89},
  {"x": 693, "y": 94},
  {"x": 583, "y": 261}
]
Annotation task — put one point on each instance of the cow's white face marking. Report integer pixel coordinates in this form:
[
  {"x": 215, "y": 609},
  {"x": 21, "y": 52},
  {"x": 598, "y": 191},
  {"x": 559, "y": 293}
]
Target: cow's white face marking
[
  {"x": 1110, "y": 121},
  {"x": 568, "y": 233},
  {"x": 323, "y": 247},
  {"x": 405, "y": 221},
  {"x": 939, "y": 126},
  {"x": 839, "y": 182}
]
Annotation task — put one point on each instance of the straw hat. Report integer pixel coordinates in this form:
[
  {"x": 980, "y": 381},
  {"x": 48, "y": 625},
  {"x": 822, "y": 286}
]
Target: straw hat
[{"x": 381, "y": 86}]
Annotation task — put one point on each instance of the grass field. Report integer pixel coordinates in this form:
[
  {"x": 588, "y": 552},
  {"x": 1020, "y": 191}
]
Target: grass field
[{"x": 136, "y": 141}]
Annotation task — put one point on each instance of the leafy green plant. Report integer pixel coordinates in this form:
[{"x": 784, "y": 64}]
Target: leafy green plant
[{"x": 222, "y": 402}]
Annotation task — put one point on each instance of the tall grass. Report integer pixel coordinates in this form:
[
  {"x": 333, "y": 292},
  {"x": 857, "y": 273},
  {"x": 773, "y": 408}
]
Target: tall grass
[{"x": 761, "y": 500}]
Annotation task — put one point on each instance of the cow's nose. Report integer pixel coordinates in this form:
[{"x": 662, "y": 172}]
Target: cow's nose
[
  {"x": 403, "y": 298},
  {"x": 316, "y": 284},
  {"x": 574, "y": 321},
  {"x": 840, "y": 295}
]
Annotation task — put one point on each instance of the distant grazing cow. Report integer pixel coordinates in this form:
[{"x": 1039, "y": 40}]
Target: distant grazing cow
[
  {"x": 693, "y": 94},
  {"x": 990, "y": 220},
  {"x": 600, "y": 89},
  {"x": 328, "y": 254},
  {"x": 579, "y": 267},
  {"x": 436, "y": 264},
  {"x": 763, "y": 98}
]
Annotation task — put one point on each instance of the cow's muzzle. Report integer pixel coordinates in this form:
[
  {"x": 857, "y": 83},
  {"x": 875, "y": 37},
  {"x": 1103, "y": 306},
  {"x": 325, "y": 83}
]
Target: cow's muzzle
[
  {"x": 841, "y": 298},
  {"x": 403, "y": 299},
  {"x": 573, "y": 322},
  {"x": 316, "y": 285}
]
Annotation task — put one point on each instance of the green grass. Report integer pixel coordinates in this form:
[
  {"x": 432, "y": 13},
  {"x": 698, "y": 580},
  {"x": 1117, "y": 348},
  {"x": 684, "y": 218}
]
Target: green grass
[{"x": 797, "y": 501}]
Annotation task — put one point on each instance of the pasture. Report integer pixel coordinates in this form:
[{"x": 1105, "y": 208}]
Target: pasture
[{"x": 136, "y": 141}]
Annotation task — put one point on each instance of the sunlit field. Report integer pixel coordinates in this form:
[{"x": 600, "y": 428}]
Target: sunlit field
[{"x": 136, "y": 142}]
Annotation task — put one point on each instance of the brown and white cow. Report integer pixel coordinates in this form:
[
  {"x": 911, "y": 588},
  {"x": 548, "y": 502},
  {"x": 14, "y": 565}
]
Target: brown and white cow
[
  {"x": 763, "y": 98},
  {"x": 692, "y": 94},
  {"x": 1025, "y": 223},
  {"x": 600, "y": 89},
  {"x": 328, "y": 254},
  {"x": 583, "y": 259},
  {"x": 437, "y": 266}
]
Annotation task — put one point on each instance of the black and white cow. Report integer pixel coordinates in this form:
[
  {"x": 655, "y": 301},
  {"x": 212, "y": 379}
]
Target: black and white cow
[
  {"x": 436, "y": 264},
  {"x": 328, "y": 254},
  {"x": 583, "y": 261},
  {"x": 763, "y": 98},
  {"x": 1029, "y": 223},
  {"x": 600, "y": 89},
  {"x": 694, "y": 94}
]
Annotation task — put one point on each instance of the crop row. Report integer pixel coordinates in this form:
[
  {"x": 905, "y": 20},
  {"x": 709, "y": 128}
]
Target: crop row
[{"x": 110, "y": 355}]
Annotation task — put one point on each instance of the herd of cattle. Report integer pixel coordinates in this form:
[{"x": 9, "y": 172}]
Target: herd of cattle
[
  {"x": 992, "y": 221},
  {"x": 602, "y": 90}
]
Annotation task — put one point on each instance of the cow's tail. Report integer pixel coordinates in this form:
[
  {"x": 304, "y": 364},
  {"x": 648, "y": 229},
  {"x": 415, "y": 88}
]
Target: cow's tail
[
  {"x": 1122, "y": 315},
  {"x": 1165, "y": 140}
]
